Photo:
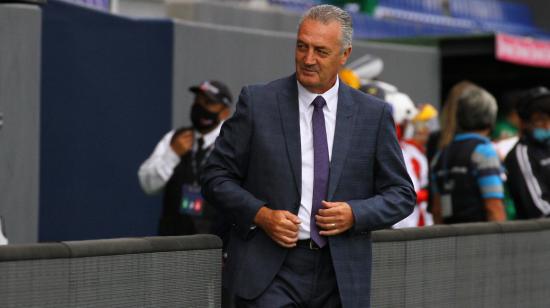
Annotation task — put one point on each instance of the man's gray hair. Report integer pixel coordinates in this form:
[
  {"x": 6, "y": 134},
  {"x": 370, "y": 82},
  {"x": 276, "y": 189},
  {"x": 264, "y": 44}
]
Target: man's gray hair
[
  {"x": 476, "y": 110},
  {"x": 327, "y": 13}
]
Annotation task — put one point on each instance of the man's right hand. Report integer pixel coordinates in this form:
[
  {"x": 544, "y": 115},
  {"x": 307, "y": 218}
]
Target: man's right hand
[
  {"x": 182, "y": 142},
  {"x": 281, "y": 226}
]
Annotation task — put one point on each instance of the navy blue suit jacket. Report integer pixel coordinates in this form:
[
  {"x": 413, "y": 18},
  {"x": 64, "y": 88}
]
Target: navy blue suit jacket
[{"x": 257, "y": 162}]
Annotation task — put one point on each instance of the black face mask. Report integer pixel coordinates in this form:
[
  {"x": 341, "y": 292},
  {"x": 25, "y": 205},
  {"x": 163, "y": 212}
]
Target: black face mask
[{"x": 203, "y": 119}]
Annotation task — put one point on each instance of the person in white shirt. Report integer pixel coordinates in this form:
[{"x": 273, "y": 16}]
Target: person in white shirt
[{"x": 174, "y": 166}]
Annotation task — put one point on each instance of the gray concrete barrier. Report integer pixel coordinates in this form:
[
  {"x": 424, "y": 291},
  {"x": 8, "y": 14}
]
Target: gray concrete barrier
[
  {"x": 182, "y": 271},
  {"x": 463, "y": 265}
]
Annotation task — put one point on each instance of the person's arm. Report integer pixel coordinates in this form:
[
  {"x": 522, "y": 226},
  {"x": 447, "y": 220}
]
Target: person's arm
[
  {"x": 159, "y": 167},
  {"x": 395, "y": 196},
  {"x": 489, "y": 179},
  {"x": 436, "y": 209},
  {"x": 227, "y": 166}
]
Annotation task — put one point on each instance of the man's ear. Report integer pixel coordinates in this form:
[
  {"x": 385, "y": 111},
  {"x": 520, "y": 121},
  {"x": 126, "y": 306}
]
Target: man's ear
[{"x": 345, "y": 56}]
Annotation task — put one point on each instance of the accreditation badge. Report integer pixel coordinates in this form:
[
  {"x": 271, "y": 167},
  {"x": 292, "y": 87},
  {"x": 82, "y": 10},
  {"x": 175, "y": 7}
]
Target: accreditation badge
[{"x": 192, "y": 202}]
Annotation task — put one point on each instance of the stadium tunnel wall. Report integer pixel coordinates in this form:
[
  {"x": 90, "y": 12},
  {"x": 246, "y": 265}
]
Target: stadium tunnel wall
[
  {"x": 106, "y": 94},
  {"x": 240, "y": 56},
  {"x": 269, "y": 37},
  {"x": 20, "y": 35}
]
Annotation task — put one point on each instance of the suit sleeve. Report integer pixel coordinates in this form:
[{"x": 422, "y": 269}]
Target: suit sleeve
[
  {"x": 227, "y": 166},
  {"x": 394, "y": 197}
]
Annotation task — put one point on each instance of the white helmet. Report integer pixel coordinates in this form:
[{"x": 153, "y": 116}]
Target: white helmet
[{"x": 402, "y": 105}]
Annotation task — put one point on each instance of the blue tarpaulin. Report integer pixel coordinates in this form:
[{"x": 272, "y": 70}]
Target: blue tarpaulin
[{"x": 106, "y": 93}]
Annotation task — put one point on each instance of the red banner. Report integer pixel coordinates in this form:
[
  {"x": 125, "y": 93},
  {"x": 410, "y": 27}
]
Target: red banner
[{"x": 522, "y": 50}]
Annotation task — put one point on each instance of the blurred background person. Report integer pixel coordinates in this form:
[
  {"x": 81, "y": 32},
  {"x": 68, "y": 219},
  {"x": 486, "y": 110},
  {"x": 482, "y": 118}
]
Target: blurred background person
[
  {"x": 404, "y": 113},
  {"x": 467, "y": 172},
  {"x": 425, "y": 123},
  {"x": 415, "y": 137},
  {"x": 441, "y": 138},
  {"x": 413, "y": 127},
  {"x": 528, "y": 163},
  {"x": 174, "y": 166},
  {"x": 505, "y": 135},
  {"x": 508, "y": 121}
]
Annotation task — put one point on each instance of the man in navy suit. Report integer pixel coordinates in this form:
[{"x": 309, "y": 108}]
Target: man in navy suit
[{"x": 305, "y": 169}]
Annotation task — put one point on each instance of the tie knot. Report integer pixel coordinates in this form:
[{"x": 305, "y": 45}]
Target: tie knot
[
  {"x": 319, "y": 102},
  {"x": 200, "y": 143}
]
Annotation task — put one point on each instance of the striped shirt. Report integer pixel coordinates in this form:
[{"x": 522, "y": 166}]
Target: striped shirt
[{"x": 487, "y": 168}]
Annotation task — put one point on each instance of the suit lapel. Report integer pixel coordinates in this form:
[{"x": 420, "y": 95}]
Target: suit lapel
[
  {"x": 342, "y": 137},
  {"x": 289, "y": 114}
]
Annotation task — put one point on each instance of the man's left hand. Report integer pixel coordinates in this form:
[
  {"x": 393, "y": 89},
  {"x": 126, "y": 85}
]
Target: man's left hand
[{"x": 334, "y": 218}]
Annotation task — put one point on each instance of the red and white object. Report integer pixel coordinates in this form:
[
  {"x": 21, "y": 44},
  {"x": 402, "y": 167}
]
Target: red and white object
[{"x": 522, "y": 50}]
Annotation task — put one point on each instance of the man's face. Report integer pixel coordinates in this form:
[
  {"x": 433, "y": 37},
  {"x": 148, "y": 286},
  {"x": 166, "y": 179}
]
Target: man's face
[
  {"x": 539, "y": 120},
  {"x": 319, "y": 55},
  {"x": 210, "y": 105},
  {"x": 206, "y": 114}
]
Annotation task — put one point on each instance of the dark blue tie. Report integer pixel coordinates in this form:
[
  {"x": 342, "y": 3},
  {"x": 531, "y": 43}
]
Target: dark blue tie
[{"x": 320, "y": 166}]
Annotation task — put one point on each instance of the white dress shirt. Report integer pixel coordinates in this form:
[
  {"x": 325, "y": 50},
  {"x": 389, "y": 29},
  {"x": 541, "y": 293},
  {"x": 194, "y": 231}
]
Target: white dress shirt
[
  {"x": 155, "y": 172},
  {"x": 305, "y": 98}
]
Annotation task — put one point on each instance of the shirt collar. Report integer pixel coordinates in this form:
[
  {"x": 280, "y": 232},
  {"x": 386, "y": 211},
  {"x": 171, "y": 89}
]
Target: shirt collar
[
  {"x": 331, "y": 95},
  {"x": 210, "y": 137},
  {"x": 465, "y": 136}
]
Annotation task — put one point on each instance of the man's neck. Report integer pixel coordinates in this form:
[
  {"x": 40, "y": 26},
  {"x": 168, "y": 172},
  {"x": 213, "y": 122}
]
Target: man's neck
[{"x": 320, "y": 90}]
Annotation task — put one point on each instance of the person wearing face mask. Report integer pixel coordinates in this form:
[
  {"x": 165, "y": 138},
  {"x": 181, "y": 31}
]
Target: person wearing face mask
[
  {"x": 174, "y": 166},
  {"x": 528, "y": 163}
]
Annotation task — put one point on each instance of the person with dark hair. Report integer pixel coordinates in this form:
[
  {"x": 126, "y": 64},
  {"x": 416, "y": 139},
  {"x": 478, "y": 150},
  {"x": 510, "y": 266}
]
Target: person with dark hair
[
  {"x": 439, "y": 139},
  {"x": 306, "y": 168},
  {"x": 508, "y": 121},
  {"x": 528, "y": 163},
  {"x": 174, "y": 166},
  {"x": 466, "y": 173},
  {"x": 505, "y": 135}
]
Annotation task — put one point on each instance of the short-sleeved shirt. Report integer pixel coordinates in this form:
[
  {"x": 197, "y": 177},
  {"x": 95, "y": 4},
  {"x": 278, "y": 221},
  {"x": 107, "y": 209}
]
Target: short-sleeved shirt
[{"x": 468, "y": 171}]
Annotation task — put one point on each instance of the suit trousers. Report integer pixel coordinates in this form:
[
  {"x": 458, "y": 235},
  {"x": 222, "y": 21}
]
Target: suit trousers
[{"x": 306, "y": 279}]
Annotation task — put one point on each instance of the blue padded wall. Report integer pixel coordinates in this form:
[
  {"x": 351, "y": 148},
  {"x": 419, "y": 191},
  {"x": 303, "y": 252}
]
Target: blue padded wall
[{"x": 106, "y": 100}]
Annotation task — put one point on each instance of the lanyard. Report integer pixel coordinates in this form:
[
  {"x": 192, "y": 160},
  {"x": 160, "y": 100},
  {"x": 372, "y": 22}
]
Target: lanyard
[{"x": 200, "y": 164}]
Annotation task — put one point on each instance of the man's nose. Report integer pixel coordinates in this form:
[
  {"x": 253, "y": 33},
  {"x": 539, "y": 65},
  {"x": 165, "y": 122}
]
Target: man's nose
[{"x": 309, "y": 57}]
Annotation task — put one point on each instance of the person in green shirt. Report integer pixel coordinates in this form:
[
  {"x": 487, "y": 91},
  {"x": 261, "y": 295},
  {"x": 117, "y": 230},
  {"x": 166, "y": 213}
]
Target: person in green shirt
[{"x": 507, "y": 128}]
